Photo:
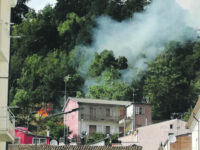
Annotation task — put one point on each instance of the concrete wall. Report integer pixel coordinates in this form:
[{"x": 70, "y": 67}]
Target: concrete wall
[
  {"x": 5, "y": 6},
  {"x": 195, "y": 139},
  {"x": 100, "y": 120}
]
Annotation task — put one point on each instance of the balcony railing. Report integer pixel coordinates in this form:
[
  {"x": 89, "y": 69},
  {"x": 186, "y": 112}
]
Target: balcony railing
[
  {"x": 7, "y": 125},
  {"x": 100, "y": 118}
]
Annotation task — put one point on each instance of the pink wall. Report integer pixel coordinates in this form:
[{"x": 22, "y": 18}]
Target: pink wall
[
  {"x": 26, "y": 138},
  {"x": 71, "y": 119}
]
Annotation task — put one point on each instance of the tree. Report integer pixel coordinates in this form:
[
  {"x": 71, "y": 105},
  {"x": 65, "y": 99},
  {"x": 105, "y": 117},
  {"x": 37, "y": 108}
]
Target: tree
[
  {"x": 112, "y": 91},
  {"x": 106, "y": 61},
  {"x": 18, "y": 13},
  {"x": 56, "y": 128},
  {"x": 170, "y": 80}
]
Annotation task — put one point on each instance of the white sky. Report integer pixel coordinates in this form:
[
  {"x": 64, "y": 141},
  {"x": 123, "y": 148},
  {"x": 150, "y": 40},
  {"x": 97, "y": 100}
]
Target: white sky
[{"x": 40, "y": 4}]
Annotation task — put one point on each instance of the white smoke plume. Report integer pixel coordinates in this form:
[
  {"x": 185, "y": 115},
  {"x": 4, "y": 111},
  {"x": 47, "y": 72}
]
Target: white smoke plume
[{"x": 141, "y": 38}]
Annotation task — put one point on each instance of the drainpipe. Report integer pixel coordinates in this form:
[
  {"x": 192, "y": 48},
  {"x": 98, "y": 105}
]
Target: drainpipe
[
  {"x": 197, "y": 130},
  {"x": 124, "y": 126}
]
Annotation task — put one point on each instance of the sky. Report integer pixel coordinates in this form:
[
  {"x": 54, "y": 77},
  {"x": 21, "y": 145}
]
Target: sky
[{"x": 40, "y": 4}]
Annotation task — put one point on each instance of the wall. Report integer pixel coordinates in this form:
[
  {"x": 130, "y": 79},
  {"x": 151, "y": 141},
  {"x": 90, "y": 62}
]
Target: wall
[
  {"x": 182, "y": 143},
  {"x": 5, "y": 6},
  {"x": 25, "y": 138},
  {"x": 101, "y": 120},
  {"x": 195, "y": 137},
  {"x": 71, "y": 119},
  {"x": 140, "y": 120}
]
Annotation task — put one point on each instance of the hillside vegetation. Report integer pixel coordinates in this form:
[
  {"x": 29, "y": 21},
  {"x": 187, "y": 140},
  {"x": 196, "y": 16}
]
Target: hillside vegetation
[{"x": 57, "y": 41}]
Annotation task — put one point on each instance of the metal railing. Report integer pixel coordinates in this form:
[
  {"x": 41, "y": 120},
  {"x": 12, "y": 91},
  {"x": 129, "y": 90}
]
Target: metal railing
[
  {"x": 100, "y": 118},
  {"x": 7, "y": 121}
]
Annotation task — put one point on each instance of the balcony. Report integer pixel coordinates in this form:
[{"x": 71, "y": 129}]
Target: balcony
[
  {"x": 100, "y": 118},
  {"x": 7, "y": 125}
]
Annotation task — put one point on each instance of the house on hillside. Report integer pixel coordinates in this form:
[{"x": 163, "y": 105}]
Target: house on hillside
[
  {"x": 94, "y": 116},
  {"x": 152, "y": 136},
  {"x": 6, "y": 117},
  {"x": 22, "y": 136},
  {"x": 138, "y": 114},
  {"x": 194, "y": 125},
  {"x": 102, "y": 116}
]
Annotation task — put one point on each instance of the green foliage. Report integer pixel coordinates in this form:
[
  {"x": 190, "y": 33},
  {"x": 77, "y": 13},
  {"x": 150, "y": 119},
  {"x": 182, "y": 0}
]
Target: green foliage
[
  {"x": 106, "y": 61},
  {"x": 72, "y": 20},
  {"x": 56, "y": 128},
  {"x": 170, "y": 80},
  {"x": 187, "y": 115},
  {"x": 18, "y": 13},
  {"x": 114, "y": 91},
  {"x": 95, "y": 137},
  {"x": 42, "y": 80}
]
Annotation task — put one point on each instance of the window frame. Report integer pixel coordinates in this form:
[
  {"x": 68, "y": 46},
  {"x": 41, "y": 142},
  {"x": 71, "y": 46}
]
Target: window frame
[{"x": 39, "y": 141}]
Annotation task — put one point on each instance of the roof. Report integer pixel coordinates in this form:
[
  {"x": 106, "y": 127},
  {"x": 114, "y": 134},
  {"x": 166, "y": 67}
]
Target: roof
[
  {"x": 100, "y": 101},
  {"x": 25, "y": 130},
  {"x": 194, "y": 112},
  {"x": 150, "y": 137},
  {"x": 69, "y": 147},
  {"x": 22, "y": 129}
]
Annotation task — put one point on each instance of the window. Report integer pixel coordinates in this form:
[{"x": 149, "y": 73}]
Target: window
[
  {"x": 39, "y": 141},
  {"x": 92, "y": 113},
  {"x": 82, "y": 116},
  {"x": 140, "y": 110},
  {"x": 171, "y": 126},
  {"x": 107, "y": 129},
  {"x": 17, "y": 140},
  {"x": 92, "y": 129},
  {"x": 107, "y": 112}
]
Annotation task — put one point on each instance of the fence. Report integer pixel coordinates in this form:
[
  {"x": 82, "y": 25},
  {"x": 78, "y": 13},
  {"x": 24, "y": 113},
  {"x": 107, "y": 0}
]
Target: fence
[{"x": 69, "y": 147}]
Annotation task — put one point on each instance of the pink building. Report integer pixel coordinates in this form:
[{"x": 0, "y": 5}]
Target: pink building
[
  {"x": 94, "y": 115},
  {"x": 23, "y": 137}
]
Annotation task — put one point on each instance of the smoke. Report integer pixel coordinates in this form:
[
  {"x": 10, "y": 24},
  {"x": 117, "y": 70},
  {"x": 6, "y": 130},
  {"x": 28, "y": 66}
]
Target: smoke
[
  {"x": 141, "y": 38},
  {"x": 192, "y": 6}
]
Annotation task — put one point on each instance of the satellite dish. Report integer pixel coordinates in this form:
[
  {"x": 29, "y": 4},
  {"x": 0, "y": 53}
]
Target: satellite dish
[
  {"x": 172, "y": 139},
  {"x": 53, "y": 142}
]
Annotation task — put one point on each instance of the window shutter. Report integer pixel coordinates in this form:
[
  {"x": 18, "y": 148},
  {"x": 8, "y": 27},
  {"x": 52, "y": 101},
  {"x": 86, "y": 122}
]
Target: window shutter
[
  {"x": 137, "y": 109},
  {"x": 143, "y": 110}
]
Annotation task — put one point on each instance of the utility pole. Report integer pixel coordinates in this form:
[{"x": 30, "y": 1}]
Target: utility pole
[{"x": 66, "y": 78}]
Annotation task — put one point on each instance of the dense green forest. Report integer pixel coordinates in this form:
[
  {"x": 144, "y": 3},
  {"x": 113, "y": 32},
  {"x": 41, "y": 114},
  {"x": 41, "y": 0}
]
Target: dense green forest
[{"x": 49, "y": 50}]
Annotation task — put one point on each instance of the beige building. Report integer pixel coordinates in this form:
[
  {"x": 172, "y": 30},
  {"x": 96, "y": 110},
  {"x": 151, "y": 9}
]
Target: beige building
[
  {"x": 6, "y": 117},
  {"x": 194, "y": 125},
  {"x": 152, "y": 136}
]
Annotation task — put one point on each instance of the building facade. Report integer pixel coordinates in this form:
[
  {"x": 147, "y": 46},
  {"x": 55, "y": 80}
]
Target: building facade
[
  {"x": 180, "y": 142},
  {"x": 23, "y": 137},
  {"x": 105, "y": 116},
  {"x": 152, "y": 136},
  {"x": 6, "y": 117},
  {"x": 137, "y": 115},
  {"x": 100, "y": 116},
  {"x": 194, "y": 126}
]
